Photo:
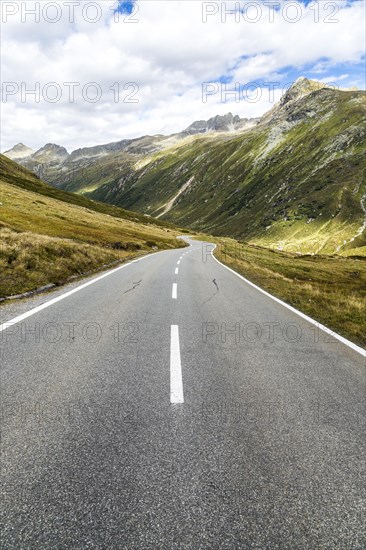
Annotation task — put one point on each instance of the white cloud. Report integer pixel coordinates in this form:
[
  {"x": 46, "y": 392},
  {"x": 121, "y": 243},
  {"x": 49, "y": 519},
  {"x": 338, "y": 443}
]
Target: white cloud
[{"x": 169, "y": 53}]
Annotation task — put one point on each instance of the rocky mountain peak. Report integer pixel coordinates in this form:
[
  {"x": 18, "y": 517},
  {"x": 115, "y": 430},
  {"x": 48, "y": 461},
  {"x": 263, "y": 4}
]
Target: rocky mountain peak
[
  {"x": 19, "y": 151},
  {"x": 302, "y": 87},
  {"x": 51, "y": 153},
  {"x": 218, "y": 123}
]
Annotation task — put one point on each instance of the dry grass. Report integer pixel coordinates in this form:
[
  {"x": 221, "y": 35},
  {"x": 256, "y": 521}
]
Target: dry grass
[
  {"x": 331, "y": 289},
  {"x": 29, "y": 261},
  {"x": 46, "y": 240}
]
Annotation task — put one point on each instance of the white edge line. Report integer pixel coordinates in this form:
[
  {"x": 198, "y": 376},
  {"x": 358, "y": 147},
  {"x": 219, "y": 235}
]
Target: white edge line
[
  {"x": 16, "y": 320},
  {"x": 174, "y": 291},
  {"x": 348, "y": 343},
  {"x": 176, "y": 383}
]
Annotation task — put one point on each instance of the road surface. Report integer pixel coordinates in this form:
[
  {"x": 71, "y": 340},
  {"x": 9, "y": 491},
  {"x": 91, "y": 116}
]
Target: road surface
[{"x": 170, "y": 405}]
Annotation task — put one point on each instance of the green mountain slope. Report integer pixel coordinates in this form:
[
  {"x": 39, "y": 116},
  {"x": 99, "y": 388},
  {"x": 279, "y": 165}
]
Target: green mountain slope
[
  {"x": 48, "y": 235},
  {"x": 294, "y": 179},
  {"x": 297, "y": 179}
]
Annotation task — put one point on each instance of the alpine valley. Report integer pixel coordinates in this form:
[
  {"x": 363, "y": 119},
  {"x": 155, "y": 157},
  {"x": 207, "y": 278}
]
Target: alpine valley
[{"x": 293, "y": 178}]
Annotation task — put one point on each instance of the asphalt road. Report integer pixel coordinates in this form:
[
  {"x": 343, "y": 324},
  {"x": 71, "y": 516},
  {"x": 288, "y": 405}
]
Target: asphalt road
[{"x": 141, "y": 415}]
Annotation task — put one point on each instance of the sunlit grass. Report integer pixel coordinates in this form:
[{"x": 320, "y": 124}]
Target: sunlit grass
[
  {"x": 29, "y": 261},
  {"x": 331, "y": 289},
  {"x": 47, "y": 236}
]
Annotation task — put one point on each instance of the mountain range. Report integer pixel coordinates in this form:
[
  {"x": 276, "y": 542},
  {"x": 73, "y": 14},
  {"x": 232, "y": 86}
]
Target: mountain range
[
  {"x": 51, "y": 154},
  {"x": 293, "y": 178}
]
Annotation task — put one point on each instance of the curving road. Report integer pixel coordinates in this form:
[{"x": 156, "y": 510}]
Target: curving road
[{"x": 170, "y": 405}]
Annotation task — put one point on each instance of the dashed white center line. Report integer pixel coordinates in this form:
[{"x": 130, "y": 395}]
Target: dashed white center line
[
  {"x": 178, "y": 262},
  {"x": 176, "y": 383},
  {"x": 176, "y": 271},
  {"x": 174, "y": 291}
]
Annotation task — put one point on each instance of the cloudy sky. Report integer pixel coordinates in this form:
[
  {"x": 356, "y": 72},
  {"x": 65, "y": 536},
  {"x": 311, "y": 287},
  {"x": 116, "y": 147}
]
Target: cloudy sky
[{"x": 81, "y": 73}]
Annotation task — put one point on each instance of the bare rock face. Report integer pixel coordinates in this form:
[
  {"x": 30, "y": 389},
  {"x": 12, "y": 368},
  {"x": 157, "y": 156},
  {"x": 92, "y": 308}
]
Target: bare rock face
[
  {"x": 302, "y": 87},
  {"x": 303, "y": 100},
  {"x": 19, "y": 152},
  {"x": 224, "y": 123},
  {"x": 51, "y": 153},
  {"x": 99, "y": 150}
]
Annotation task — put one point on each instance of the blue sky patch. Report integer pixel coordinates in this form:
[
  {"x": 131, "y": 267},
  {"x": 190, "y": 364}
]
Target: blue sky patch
[{"x": 125, "y": 7}]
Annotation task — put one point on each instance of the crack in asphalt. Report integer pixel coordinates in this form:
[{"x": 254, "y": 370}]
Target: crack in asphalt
[
  {"x": 134, "y": 286},
  {"x": 214, "y": 294}
]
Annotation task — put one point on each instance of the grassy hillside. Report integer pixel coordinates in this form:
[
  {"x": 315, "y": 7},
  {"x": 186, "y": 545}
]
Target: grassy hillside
[
  {"x": 331, "y": 290},
  {"x": 48, "y": 235},
  {"x": 298, "y": 178}
]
